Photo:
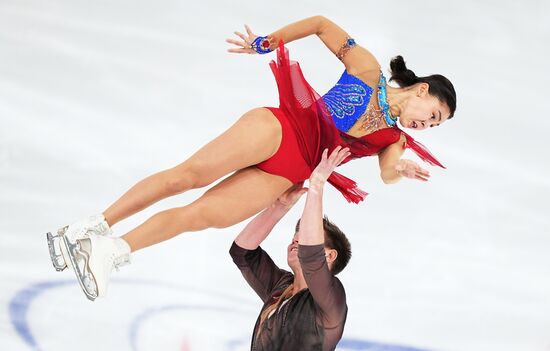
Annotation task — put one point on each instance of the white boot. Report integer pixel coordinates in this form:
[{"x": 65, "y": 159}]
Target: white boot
[
  {"x": 91, "y": 225},
  {"x": 78, "y": 230},
  {"x": 93, "y": 259}
]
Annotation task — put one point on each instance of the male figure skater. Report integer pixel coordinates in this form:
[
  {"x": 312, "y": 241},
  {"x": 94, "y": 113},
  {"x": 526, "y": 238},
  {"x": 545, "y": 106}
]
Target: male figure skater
[{"x": 305, "y": 309}]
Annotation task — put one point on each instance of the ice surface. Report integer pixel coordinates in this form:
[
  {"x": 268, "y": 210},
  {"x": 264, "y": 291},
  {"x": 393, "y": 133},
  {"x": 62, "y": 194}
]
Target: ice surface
[{"x": 95, "y": 95}]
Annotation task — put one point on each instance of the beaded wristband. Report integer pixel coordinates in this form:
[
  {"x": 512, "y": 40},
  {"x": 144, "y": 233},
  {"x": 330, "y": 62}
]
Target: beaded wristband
[
  {"x": 347, "y": 46},
  {"x": 262, "y": 45}
]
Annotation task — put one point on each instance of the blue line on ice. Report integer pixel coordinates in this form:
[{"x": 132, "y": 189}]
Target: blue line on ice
[{"x": 22, "y": 299}]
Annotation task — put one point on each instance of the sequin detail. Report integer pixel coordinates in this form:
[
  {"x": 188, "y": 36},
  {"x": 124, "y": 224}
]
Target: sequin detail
[
  {"x": 383, "y": 102},
  {"x": 374, "y": 118},
  {"x": 345, "y": 48},
  {"x": 347, "y": 101},
  {"x": 262, "y": 45}
]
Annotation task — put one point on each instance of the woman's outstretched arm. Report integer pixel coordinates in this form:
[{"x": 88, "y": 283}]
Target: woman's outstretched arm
[{"x": 356, "y": 59}]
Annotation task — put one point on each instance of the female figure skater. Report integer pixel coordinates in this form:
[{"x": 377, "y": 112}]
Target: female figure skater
[{"x": 269, "y": 149}]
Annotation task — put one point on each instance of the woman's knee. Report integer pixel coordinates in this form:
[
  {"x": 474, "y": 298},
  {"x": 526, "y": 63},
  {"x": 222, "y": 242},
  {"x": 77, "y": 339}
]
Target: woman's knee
[
  {"x": 195, "y": 217},
  {"x": 208, "y": 215},
  {"x": 182, "y": 178},
  {"x": 211, "y": 218}
]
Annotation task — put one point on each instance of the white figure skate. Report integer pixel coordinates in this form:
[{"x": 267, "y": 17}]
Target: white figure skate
[
  {"x": 81, "y": 229},
  {"x": 93, "y": 259}
]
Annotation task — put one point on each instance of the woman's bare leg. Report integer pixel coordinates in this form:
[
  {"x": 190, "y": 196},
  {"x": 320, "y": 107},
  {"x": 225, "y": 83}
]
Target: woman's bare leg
[
  {"x": 255, "y": 137},
  {"x": 233, "y": 200}
]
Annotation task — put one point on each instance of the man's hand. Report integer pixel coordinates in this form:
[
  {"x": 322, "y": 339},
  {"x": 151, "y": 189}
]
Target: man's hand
[
  {"x": 327, "y": 165},
  {"x": 292, "y": 195}
]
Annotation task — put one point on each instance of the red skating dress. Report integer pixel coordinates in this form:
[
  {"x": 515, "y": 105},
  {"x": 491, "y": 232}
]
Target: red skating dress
[{"x": 310, "y": 124}]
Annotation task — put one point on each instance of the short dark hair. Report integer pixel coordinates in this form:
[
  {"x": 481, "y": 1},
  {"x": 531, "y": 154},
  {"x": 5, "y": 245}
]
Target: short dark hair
[{"x": 335, "y": 239}]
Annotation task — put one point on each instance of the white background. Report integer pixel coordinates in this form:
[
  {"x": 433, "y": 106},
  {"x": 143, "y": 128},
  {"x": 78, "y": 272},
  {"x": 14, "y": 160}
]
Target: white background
[{"x": 95, "y": 95}]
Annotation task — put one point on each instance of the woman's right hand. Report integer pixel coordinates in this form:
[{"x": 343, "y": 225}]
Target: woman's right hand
[
  {"x": 243, "y": 45},
  {"x": 410, "y": 169}
]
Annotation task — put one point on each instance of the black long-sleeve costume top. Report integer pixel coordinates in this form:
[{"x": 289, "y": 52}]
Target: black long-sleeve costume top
[{"x": 313, "y": 319}]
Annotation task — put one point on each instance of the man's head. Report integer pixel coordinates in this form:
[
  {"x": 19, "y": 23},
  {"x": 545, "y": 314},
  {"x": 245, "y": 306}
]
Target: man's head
[{"x": 337, "y": 248}]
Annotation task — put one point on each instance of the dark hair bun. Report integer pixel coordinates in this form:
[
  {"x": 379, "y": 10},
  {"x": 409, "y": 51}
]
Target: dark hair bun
[
  {"x": 400, "y": 74},
  {"x": 439, "y": 86}
]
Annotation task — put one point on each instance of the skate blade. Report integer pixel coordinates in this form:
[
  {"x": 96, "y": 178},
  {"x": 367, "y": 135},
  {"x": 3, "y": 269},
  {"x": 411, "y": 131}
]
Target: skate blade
[
  {"x": 83, "y": 274},
  {"x": 53, "y": 242}
]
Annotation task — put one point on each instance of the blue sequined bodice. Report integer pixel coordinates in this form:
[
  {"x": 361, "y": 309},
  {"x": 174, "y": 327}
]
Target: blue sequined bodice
[{"x": 347, "y": 100}]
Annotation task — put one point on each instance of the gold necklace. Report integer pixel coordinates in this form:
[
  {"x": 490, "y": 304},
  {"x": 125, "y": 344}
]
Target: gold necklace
[{"x": 372, "y": 120}]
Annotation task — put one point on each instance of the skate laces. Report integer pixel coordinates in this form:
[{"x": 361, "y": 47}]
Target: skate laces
[
  {"x": 121, "y": 261},
  {"x": 101, "y": 228},
  {"x": 118, "y": 257},
  {"x": 86, "y": 231},
  {"x": 80, "y": 233}
]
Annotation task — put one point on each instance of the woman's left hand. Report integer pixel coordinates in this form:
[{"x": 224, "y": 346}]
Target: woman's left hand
[
  {"x": 412, "y": 170},
  {"x": 243, "y": 45},
  {"x": 327, "y": 165}
]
